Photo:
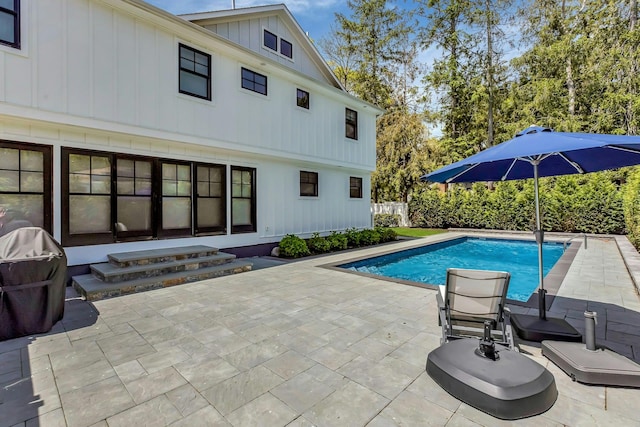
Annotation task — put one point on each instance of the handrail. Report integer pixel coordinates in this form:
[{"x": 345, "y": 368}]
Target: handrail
[{"x": 564, "y": 244}]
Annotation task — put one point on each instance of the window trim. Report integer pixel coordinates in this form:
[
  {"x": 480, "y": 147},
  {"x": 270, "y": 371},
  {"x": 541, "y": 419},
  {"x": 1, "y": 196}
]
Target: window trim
[
  {"x": 298, "y": 98},
  {"x": 47, "y": 176},
  {"x": 180, "y": 69},
  {"x": 253, "y": 227},
  {"x": 356, "y": 187},
  {"x": 254, "y": 74},
  {"x": 308, "y": 174},
  {"x": 354, "y": 123},
  {"x": 16, "y": 29}
]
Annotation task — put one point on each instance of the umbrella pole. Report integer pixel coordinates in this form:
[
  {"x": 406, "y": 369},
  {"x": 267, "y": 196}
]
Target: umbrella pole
[{"x": 542, "y": 308}]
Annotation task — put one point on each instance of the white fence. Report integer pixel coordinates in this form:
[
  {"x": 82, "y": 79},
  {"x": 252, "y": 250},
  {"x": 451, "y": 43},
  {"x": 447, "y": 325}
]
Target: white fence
[{"x": 395, "y": 208}]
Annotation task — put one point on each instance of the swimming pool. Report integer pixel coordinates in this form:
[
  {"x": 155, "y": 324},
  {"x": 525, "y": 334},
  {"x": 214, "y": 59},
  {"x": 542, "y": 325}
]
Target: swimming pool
[{"x": 428, "y": 264}]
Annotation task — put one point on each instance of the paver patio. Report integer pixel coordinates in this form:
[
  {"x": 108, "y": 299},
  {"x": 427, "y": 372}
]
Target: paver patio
[{"x": 295, "y": 345}]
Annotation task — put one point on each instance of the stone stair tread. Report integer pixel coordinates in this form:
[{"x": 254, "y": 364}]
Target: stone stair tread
[
  {"x": 123, "y": 257},
  {"x": 107, "y": 269},
  {"x": 90, "y": 284}
]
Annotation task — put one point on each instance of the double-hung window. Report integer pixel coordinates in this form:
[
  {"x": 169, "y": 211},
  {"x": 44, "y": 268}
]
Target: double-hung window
[
  {"x": 254, "y": 82},
  {"x": 309, "y": 184},
  {"x": 351, "y": 124},
  {"x": 10, "y": 23},
  {"x": 355, "y": 187},
  {"x": 195, "y": 72},
  {"x": 302, "y": 98},
  {"x": 243, "y": 200}
]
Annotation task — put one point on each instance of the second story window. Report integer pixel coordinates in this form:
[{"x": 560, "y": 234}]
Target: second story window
[
  {"x": 10, "y": 23},
  {"x": 303, "y": 98},
  {"x": 254, "y": 81},
  {"x": 351, "y": 124},
  {"x": 195, "y": 72},
  {"x": 309, "y": 184},
  {"x": 270, "y": 40}
]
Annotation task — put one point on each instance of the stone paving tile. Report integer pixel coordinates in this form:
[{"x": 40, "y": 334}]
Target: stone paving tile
[
  {"x": 130, "y": 371},
  {"x": 427, "y": 389},
  {"x": 302, "y": 392},
  {"x": 411, "y": 410},
  {"x": 255, "y": 354},
  {"x": 125, "y": 347},
  {"x": 154, "y": 384},
  {"x": 235, "y": 392},
  {"x": 351, "y": 405},
  {"x": 387, "y": 377},
  {"x": 265, "y": 410},
  {"x": 204, "y": 374},
  {"x": 163, "y": 359},
  {"x": 72, "y": 379},
  {"x": 205, "y": 417},
  {"x": 289, "y": 364},
  {"x": 186, "y": 399},
  {"x": 54, "y": 418},
  {"x": 156, "y": 412}
]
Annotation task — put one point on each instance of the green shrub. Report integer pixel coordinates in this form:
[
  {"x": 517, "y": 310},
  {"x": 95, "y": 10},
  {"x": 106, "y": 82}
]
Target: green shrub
[
  {"x": 338, "y": 241},
  {"x": 386, "y": 234},
  {"x": 293, "y": 247},
  {"x": 353, "y": 237},
  {"x": 369, "y": 237},
  {"x": 318, "y": 244},
  {"x": 386, "y": 220},
  {"x": 631, "y": 200}
]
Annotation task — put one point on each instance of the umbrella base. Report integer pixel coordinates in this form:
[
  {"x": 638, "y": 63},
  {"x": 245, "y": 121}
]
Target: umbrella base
[
  {"x": 600, "y": 366},
  {"x": 532, "y": 328}
]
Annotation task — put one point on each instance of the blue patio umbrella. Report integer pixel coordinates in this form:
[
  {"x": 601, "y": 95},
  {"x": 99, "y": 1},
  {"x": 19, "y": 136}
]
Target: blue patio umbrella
[{"x": 539, "y": 152}]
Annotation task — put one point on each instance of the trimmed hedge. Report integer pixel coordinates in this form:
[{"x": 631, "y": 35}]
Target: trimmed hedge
[
  {"x": 386, "y": 220},
  {"x": 294, "y": 247}
]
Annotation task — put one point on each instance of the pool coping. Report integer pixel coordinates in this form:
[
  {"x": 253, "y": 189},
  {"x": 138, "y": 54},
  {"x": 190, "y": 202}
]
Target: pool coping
[{"x": 552, "y": 281}]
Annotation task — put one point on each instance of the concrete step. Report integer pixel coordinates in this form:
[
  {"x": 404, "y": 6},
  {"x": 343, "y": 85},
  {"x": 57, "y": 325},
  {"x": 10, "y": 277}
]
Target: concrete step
[
  {"x": 112, "y": 273},
  {"x": 153, "y": 256},
  {"x": 92, "y": 288}
]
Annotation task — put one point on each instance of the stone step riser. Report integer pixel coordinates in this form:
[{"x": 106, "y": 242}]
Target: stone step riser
[
  {"x": 157, "y": 284},
  {"x": 158, "y": 270},
  {"x": 160, "y": 260}
]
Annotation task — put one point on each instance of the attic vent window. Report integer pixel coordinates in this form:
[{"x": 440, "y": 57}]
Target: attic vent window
[
  {"x": 286, "y": 48},
  {"x": 10, "y": 23},
  {"x": 270, "y": 40}
]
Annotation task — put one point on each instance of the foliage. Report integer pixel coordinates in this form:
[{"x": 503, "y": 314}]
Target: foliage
[
  {"x": 386, "y": 234},
  {"x": 293, "y": 247},
  {"x": 337, "y": 241},
  {"x": 353, "y": 237},
  {"x": 318, "y": 244},
  {"x": 386, "y": 220},
  {"x": 369, "y": 237},
  {"x": 417, "y": 232},
  {"x": 631, "y": 197}
]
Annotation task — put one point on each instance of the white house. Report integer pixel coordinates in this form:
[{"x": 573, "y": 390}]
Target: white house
[{"x": 123, "y": 127}]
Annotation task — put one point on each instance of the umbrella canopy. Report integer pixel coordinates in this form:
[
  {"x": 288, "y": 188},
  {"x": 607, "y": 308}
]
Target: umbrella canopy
[{"x": 556, "y": 153}]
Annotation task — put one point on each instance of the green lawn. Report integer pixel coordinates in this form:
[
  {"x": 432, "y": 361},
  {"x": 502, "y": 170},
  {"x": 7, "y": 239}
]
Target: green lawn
[{"x": 417, "y": 232}]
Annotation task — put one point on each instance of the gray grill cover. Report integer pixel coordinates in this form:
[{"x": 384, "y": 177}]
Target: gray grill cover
[{"x": 33, "y": 274}]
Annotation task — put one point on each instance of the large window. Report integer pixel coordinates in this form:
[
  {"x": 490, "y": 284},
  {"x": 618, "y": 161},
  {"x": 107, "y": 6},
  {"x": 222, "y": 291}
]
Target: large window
[
  {"x": 134, "y": 188},
  {"x": 243, "y": 200},
  {"x": 175, "y": 207},
  {"x": 10, "y": 23},
  {"x": 351, "y": 124},
  {"x": 309, "y": 184},
  {"x": 355, "y": 187},
  {"x": 254, "y": 81},
  {"x": 211, "y": 206},
  {"x": 195, "y": 72},
  {"x": 25, "y": 186}
]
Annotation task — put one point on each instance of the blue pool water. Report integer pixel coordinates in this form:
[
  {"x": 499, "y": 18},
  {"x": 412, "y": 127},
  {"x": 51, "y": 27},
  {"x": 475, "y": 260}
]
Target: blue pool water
[{"x": 428, "y": 264}]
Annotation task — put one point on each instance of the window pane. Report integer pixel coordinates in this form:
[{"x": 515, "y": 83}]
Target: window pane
[
  {"x": 215, "y": 174},
  {"x": 351, "y": 131},
  {"x": 184, "y": 188},
  {"x": 79, "y": 163},
  {"x": 270, "y": 40},
  {"x": 193, "y": 84},
  {"x": 184, "y": 173},
  {"x": 143, "y": 169},
  {"x": 241, "y": 212},
  {"x": 169, "y": 188},
  {"x": 202, "y": 59},
  {"x": 7, "y": 30},
  {"x": 215, "y": 189},
  {"x": 307, "y": 189},
  {"x": 7, "y": 4},
  {"x": 32, "y": 182},
  {"x": 9, "y": 158},
  {"x": 79, "y": 183},
  {"x": 286, "y": 48},
  {"x": 100, "y": 184},
  {"x": 135, "y": 213},
  {"x": 210, "y": 213},
  {"x": 9, "y": 180},
  {"x": 236, "y": 190},
  {"x": 31, "y": 161},
  {"x": 89, "y": 214},
  {"x": 246, "y": 190},
  {"x": 126, "y": 185},
  {"x": 24, "y": 207},
  {"x": 203, "y": 189},
  {"x": 187, "y": 53},
  {"x": 168, "y": 171},
  {"x": 176, "y": 212},
  {"x": 187, "y": 64},
  {"x": 100, "y": 165},
  {"x": 143, "y": 187},
  {"x": 126, "y": 168}
]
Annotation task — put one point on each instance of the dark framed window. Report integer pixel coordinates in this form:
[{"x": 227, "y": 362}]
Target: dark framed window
[
  {"x": 355, "y": 187},
  {"x": 308, "y": 184},
  {"x": 302, "y": 98},
  {"x": 10, "y": 23},
  {"x": 270, "y": 40},
  {"x": 135, "y": 213},
  {"x": 254, "y": 81},
  {"x": 243, "y": 200},
  {"x": 25, "y": 186},
  {"x": 195, "y": 72},
  {"x": 211, "y": 199},
  {"x": 351, "y": 124},
  {"x": 175, "y": 198},
  {"x": 286, "y": 48}
]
